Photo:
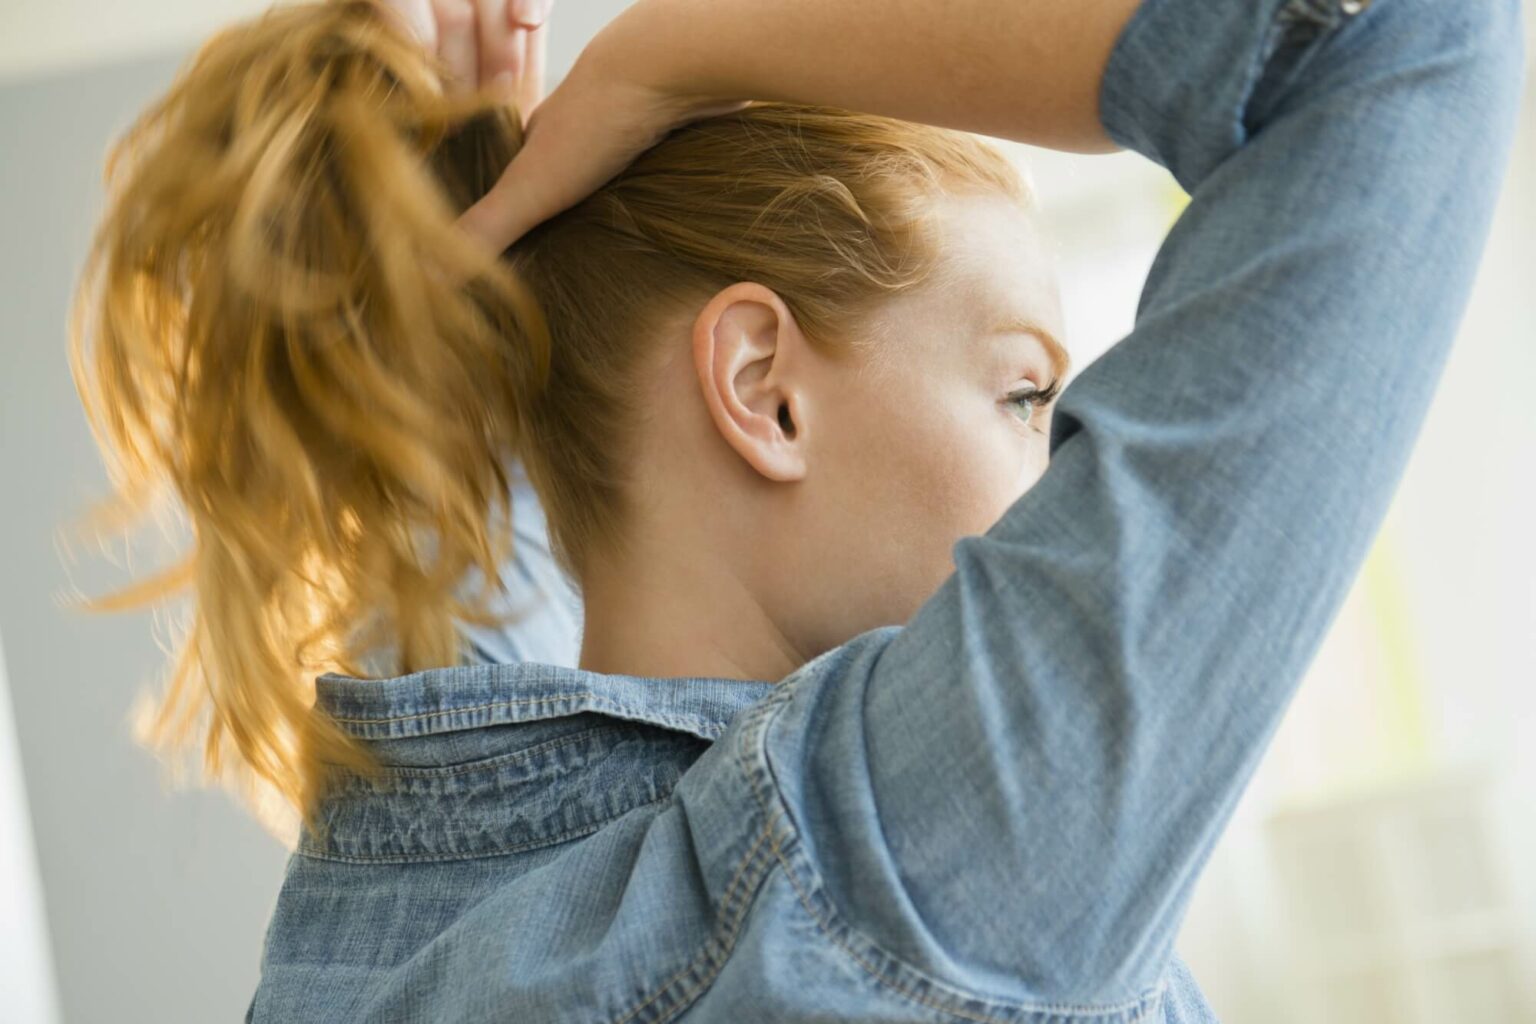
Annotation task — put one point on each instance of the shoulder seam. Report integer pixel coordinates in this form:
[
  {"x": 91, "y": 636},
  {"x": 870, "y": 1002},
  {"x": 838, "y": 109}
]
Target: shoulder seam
[
  {"x": 687, "y": 984},
  {"x": 917, "y": 985}
]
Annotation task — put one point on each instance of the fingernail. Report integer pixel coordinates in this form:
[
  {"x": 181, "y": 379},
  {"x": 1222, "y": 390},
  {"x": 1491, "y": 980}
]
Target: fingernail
[{"x": 530, "y": 12}]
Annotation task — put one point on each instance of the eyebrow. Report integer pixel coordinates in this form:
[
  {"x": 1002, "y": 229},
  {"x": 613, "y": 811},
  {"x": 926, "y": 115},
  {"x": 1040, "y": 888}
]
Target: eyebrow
[{"x": 1061, "y": 359}]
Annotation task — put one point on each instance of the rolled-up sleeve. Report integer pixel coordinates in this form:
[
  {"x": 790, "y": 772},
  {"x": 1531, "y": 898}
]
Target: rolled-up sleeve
[{"x": 1015, "y": 792}]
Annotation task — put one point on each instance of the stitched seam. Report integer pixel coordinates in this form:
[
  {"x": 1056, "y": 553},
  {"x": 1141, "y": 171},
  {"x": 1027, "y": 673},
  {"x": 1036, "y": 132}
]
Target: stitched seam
[
  {"x": 871, "y": 969},
  {"x": 498, "y": 851},
  {"x": 410, "y": 771},
  {"x": 874, "y": 971},
  {"x": 531, "y": 701},
  {"x": 1138, "y": 1007},
  {"x": 724, "y": 937}
]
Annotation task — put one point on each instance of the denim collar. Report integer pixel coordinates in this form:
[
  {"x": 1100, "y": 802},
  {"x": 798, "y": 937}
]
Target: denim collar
[{"x": 467, "y": 696}]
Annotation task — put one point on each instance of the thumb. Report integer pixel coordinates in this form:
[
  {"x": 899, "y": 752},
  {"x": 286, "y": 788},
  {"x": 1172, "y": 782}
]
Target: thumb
[
  {"x": 504, "y": 214},
  {"x": 536, "y": 184}
]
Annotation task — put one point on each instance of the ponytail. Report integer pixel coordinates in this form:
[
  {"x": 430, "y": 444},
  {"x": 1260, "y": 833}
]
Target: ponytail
[{"x": 265, "y": 328}]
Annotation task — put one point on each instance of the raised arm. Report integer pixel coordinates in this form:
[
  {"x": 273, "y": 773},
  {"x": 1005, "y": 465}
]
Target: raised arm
[
  {"x": 1016, "y": 792},
  {"x": 1026, "y": 71}
]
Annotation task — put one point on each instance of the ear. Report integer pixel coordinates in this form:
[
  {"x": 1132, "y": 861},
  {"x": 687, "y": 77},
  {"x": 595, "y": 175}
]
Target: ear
[{"x": 746, "y": 349}]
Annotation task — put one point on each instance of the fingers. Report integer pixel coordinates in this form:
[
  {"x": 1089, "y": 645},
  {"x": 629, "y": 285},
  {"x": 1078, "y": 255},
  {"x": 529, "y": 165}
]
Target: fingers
[
  {"x": 517, "y": 60},
  {"x": 527, "y": 20},
  {"x": 528, "y": 13},
  {"x": 513, "y": 205},
  {"x": 531, "y": 85},
  {"x": 498, "y": 53},
  {"x": 480, "y": 40},
  {"x": 456, "y": 44},
  {"x": 493, "y": 222},
  {"x": 495, "y": 43}
]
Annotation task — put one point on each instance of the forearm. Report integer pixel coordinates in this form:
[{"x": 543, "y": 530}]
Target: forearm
[{"x": 1027, "y": 71}]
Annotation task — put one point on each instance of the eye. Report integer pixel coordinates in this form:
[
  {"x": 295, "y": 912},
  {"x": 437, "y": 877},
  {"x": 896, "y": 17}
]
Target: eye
[{"x": 1034, "y": 398}]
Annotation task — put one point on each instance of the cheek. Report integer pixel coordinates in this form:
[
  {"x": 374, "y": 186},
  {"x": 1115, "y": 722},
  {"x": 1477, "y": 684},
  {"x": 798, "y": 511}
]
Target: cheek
[
  {"x": 956, "y": 478},
  {"x": 986, "y": 482},
  {"x": 916, "y": 476}
]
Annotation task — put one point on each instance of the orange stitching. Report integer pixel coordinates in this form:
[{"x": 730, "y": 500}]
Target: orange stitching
[
  {"x": 598, "y": 698},
  {"x": 1139, "y": 1006},
  {"x": 704, "y": 952},
  {"x": 490, "y": 761},
  {"x": 315, "y": 851},
  {"x": 873, "y": 970}
]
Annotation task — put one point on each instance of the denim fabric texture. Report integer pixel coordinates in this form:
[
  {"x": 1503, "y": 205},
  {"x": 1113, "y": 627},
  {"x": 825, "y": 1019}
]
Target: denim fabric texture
[{"x": 998, "y": 811}]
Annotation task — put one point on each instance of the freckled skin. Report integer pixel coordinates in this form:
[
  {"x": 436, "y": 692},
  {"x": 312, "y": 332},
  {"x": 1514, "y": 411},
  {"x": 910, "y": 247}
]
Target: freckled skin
[{"x": 757, "y": 547}]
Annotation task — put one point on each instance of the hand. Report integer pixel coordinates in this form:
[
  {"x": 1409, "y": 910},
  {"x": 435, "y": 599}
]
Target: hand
[
  {"x": 494, "y": 44},
  {"x": 603, "y": 114}
]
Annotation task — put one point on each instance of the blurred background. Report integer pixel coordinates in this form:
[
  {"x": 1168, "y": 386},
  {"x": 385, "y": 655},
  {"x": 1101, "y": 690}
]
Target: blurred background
[{"x": 1381, "y": 869}]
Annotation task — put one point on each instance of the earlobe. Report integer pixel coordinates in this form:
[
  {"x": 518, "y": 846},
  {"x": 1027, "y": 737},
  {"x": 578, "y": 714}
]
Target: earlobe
[{"x": 744, "y": 343}]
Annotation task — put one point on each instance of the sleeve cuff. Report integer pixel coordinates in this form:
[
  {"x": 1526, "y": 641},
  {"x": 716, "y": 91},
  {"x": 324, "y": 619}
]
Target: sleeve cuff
[{"x": 1179, "y": 78}]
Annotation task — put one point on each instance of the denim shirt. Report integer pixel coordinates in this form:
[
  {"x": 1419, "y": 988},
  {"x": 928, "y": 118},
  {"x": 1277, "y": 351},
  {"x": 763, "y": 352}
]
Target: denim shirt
[{"x": 997, "y": 811}]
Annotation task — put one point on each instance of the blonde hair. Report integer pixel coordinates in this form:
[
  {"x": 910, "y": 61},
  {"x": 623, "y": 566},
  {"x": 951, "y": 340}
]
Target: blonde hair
[{"x": 266, "y": 327}]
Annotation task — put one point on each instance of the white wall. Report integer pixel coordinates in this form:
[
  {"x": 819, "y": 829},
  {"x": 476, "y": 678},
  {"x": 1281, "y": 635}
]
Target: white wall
[
  {"x": 56, "y": 36},
  {"x": 26, "y": 962},
  {"x": 154, "y": 900}
]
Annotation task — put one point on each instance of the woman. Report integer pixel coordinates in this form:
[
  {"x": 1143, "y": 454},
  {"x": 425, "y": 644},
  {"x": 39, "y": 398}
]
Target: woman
[{"x": 875, "y": 716}]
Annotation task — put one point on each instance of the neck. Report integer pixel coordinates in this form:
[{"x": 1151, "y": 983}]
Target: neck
[{"x": 673, "y": 617}]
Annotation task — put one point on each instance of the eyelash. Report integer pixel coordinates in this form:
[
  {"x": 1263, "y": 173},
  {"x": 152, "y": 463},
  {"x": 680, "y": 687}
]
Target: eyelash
[{"x": 1038, "y": 398}]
